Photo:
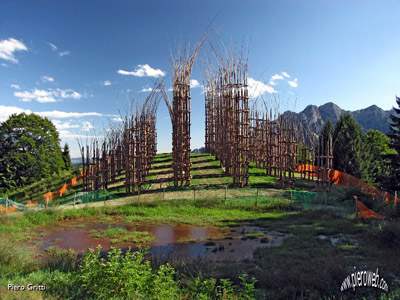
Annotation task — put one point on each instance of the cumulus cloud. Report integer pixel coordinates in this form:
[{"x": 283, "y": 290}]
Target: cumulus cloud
[
  {"x": 143, "y": 71},
  {"x": 64, "y": 125},
  {"x": 8, "y": 47},
  {"x": 146, "y": 89},
  {"x": 86, "y": 126},
  {"x": 63, "y": 53},
  {"x": 65, "y": 134},
  {"x": 47, "y": 79},
  {"x": 258, "y": 88},
  {"x": 15, "y": 86},
  {"x": 276, "y": 77},
  {"x": 63, "y": 114},
  {"x": 117, "y": 119},
  {"x": 46, "y": 96},
  {"x": 6, "y": 111},
  {"x": 286, "y": 74},
  {"x": 107, "y": 83},
  {"x": 293, "y": 83},
  {"x": 194, "y": 83}
]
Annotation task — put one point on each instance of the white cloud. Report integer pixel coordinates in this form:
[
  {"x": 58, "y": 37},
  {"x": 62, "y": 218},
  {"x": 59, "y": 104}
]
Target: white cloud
[
  {"x": 64, "y": 125},
  {"x": 6, "y": 111},
  {"x": 62, "y": 114},
  {"x": 68, "y": 93},
  {"x": 194, "y": 83},
  {"x": 65, "y": 134},
  {"x": 117, "y": 119},
  {"x": 86, "y": 126},
  {"x": 45, "y": 96},
  {"x": 143, "y": 71},
  {"x": 47, "y": 79},
  {"x": 63, "y": 53},
  {"x": 286, "y": 74},
  {"x": 15, "y": 86},
  {"x": 8, "y": 47},
  {"x": 276, "y": 77},
  {"x": 293, "y": 83},
  {"x": 53, "y": 47},
  {"x": 107, "y": 83},
  {"x": 146, "y": 89},
  {"x": 41, "y": 96},
  {"x": 4, "y": 65},
  {"x": 258, "y": 88}
]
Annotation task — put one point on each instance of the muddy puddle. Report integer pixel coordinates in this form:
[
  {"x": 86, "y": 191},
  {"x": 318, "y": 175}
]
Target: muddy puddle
[{"x": 166, "y": 241}]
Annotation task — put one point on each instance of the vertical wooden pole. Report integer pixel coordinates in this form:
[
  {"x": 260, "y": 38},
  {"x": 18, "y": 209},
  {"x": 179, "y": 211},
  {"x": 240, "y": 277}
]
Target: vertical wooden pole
[
  {"x": 163, "y": 194},
  {"x": 257, "y": 197},
  {"x": 226, "y": 188},
  {"x": 6, "y": 205}
]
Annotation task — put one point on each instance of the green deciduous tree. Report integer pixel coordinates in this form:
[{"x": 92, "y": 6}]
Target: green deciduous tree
[
  {"x": 29, "y": 150},
  {"x": 347, "y": 146},
  {"x": 375, "y": 151}
]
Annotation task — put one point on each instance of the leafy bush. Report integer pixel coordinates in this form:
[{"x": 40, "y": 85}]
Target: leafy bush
[{"x": 131, "y": 277}]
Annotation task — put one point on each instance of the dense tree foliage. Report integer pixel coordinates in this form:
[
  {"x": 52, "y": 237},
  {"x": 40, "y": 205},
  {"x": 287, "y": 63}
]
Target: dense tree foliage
[
  {"x": 394, "y": 158},
  {"x": 326, "y": 133},
  {"x": 29, "y": 150},
  {"x": 66, "y": 157},
  {"x": 375, "y": 151},
  {"x": 348, "y": 146}
]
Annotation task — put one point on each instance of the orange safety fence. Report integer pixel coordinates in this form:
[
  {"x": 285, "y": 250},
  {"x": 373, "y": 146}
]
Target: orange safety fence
[
  {"x": 10, "y": 209},
  {"x": 63, "y": 189},
  {"x": 31, "y": 204},
  {"x": 50, "y": 195},
  {"x": 364, "y": 212},
  {"x": 74, "y": 180},
  {"x": 308, "y": 169},
  {"x": 348, "y": 180}
]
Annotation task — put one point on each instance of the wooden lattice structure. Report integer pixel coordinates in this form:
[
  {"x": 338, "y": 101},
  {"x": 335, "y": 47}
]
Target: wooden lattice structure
[
  {"x": 227, "y": 117},
  {"x": 179, "y": 111},
  {"x": 324, "y": 161},
  {"x": 129, "y": 149}
]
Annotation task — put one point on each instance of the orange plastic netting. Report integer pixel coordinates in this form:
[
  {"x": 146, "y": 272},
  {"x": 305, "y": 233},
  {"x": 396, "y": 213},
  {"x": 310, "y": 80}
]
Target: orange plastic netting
[
  {"x": 63, "y": 189},
  {"x": 364, "y": 212},
  {"x": 10, "y": 209},
  {"x": 48, "y": 196},
  {"x": 31, "y": 204},
  {"x": 348, "y": 180},
  {"x": 307, "y": 169}
]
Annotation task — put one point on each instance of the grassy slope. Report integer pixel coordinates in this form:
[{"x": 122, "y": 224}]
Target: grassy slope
[{"x": 304, "y": 266}]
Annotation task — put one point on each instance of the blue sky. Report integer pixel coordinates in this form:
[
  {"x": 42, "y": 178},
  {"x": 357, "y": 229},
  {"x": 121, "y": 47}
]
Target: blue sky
[{"x": 79, "y": 62}]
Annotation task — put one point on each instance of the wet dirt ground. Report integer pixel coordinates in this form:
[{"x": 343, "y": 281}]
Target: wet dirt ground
[{"x": 170, "y": 241}]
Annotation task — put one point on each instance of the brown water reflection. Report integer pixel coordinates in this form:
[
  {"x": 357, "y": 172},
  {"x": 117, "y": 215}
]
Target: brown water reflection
[{"x": 170, "y": 241}]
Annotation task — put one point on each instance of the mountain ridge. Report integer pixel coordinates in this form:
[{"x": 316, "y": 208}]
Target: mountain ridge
[{"x": 313, "y": 117}]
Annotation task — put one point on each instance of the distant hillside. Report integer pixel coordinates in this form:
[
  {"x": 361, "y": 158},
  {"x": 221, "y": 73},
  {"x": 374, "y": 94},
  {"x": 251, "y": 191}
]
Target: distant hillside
[
  {"x": 200, "y": 150},
  {"x": 76, "y": 160},
  {"x": 313, "y": 118}
]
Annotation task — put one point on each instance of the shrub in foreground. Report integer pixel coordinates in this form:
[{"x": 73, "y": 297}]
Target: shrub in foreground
[{"x": 130, "y": 276}]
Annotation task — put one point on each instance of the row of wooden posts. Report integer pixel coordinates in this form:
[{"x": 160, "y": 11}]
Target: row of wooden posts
[
  {"x": 130, "y": 148},
  {"x": 236, "y": 135}
]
